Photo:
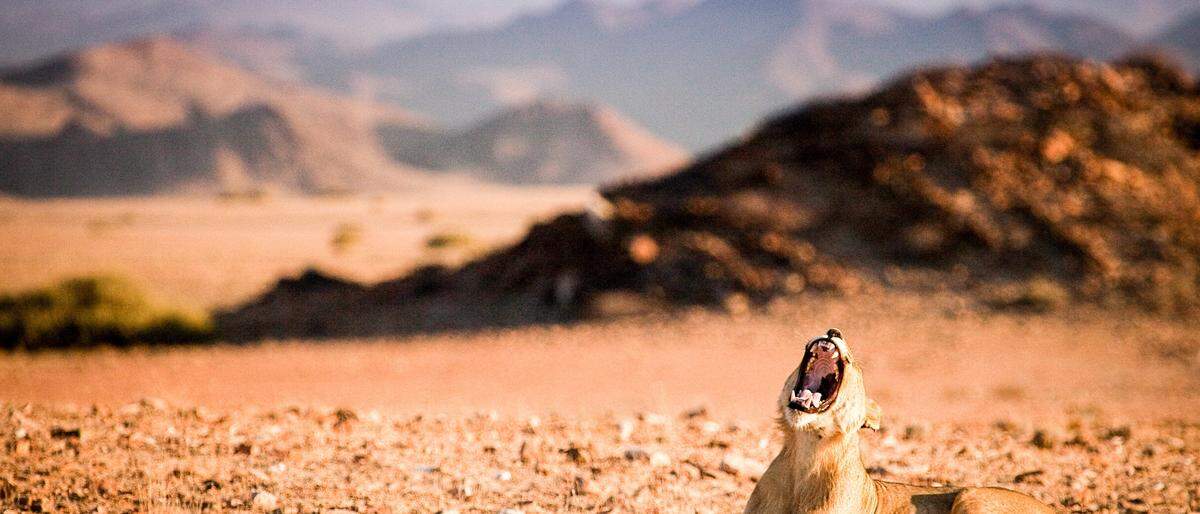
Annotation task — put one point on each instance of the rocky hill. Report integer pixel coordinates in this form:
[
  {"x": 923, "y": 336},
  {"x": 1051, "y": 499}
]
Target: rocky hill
[
  {"x": 1022, "y": 182},
  {"x": 153, "y": 116},
  {"x": 544, "y": 142}
]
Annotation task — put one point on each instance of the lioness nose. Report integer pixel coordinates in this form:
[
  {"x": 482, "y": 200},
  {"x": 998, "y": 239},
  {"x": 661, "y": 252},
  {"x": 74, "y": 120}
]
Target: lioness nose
[{"x": 833, "y": 332}]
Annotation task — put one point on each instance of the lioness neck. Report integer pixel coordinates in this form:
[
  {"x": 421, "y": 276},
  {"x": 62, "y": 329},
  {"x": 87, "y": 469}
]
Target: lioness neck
[{"x": 829, "y": 475}]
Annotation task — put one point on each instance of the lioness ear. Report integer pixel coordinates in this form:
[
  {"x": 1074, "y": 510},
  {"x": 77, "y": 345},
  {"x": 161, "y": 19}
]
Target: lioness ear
[{"x": 874, "y": 415}]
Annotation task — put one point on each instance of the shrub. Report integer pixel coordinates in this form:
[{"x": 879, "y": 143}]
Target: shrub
[
  {"x": 345, "y": 236},
  {"x": 90, "y": 311},
  {"x": 243, "y": 195},
  {"x": 1038, "y": 294},
  {"x": 447, "y": 240}
]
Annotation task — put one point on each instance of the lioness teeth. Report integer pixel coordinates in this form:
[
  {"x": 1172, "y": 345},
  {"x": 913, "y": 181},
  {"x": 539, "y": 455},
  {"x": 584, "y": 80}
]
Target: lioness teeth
[
  {"x": 807, "y": 399},
  {"x": 814, "y": 400}
]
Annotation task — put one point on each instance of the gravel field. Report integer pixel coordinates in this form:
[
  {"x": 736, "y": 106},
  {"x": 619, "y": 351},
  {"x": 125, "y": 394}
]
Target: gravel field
[{"x": 151, "y": 456}]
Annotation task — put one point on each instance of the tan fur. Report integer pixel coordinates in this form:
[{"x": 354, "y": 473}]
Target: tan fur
[{"x": 820, "y": 470}]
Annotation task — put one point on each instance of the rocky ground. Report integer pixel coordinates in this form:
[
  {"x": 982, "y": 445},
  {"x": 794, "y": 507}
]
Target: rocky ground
[{"x": 151, "y": 456}]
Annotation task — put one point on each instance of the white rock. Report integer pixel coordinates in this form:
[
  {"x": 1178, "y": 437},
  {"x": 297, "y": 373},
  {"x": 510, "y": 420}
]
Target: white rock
[
  {"x": 504, "y": 476},
  {"x": 710, "y": 427},
  {"x": 264, "y": 502},
  {"x": 626, "y": 426},
  {"x": 660, "y": 459},
  {"x": 736, "y": 464},
  {"x": 131, "y": 409}
]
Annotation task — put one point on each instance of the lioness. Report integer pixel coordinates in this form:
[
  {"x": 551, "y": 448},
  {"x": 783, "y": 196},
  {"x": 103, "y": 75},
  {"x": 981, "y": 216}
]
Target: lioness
[{"x": 822, "y": 407}]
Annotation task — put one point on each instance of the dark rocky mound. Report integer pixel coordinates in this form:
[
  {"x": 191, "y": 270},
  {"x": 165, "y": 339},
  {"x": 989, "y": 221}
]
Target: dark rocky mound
[{"x": 1080, "y": 177}]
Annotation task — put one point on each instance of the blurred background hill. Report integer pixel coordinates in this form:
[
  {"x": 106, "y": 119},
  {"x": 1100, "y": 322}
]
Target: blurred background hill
[{"x": 154, "y": 116}]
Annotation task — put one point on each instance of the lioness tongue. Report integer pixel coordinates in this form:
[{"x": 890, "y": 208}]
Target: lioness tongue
[{"x": 824, "y": 363}]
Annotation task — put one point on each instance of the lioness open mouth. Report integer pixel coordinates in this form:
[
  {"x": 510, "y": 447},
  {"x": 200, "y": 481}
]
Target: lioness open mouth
[{"x": 820, "y": 377}]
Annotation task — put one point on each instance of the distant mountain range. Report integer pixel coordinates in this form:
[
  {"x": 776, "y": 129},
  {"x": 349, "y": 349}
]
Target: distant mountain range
[
  {"x": 543, "y": 142},
  {"x": 156, "y": 116},
  {"x": 694, "y": 72},
  {"x": 701, "y": 74},
  {"x": 1142, "y": 18},
  {"x": 152, "y": 116},
  {"x": 33, "y": 29},
  {"x": 1182, "y": 41}
]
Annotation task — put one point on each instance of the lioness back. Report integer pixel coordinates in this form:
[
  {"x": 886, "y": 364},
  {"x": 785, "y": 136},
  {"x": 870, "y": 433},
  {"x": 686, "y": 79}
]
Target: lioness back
[
  {"x": 897, "y": 498},
  {"x": 994, "y": 500}
]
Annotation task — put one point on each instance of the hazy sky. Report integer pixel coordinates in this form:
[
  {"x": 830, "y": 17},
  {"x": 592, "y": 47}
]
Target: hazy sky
[{"x": 475, "y": 12}]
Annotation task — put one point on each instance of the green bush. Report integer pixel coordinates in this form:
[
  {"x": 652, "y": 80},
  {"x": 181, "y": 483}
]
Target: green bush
[{"x": 90, "y": 311}]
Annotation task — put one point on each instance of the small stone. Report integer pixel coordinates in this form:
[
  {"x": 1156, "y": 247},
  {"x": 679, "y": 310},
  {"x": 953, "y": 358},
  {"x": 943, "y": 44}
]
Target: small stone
[
  {"x": 1045, "y": 439},
  {"x": 581, "y": 487},
  {"x": 636, "y": 453},
  {"x": 156, "y": 404},
  {"x": 626, "y": 427},
  {"x": 912, "y": 432},
  {"x": 736, "y": 464},
  {"x": 264, "y": 502},
  {"x": 660, "y": 459}
]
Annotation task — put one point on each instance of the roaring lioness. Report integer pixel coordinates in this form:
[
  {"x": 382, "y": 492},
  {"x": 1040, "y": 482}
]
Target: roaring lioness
[{"x": 822, "y": 407}]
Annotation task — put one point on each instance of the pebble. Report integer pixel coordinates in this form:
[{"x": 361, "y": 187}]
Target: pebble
[
  {"x": 660, "y": 459},
  {"x": 264, "y": 502},
  {"x": 636, "y": 453},
  {"x": 626, "y": 427},
  {"x": 736, "y": 464}
]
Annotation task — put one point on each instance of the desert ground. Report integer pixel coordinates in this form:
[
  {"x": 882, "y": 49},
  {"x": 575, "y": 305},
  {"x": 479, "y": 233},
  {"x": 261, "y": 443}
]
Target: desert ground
[
  {"x": 202, "y": 251},
  {"x": 1088, "y": 409}
]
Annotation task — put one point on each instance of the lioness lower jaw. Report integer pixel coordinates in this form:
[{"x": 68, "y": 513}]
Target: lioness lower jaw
[{"x": 820, "y": 467}]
